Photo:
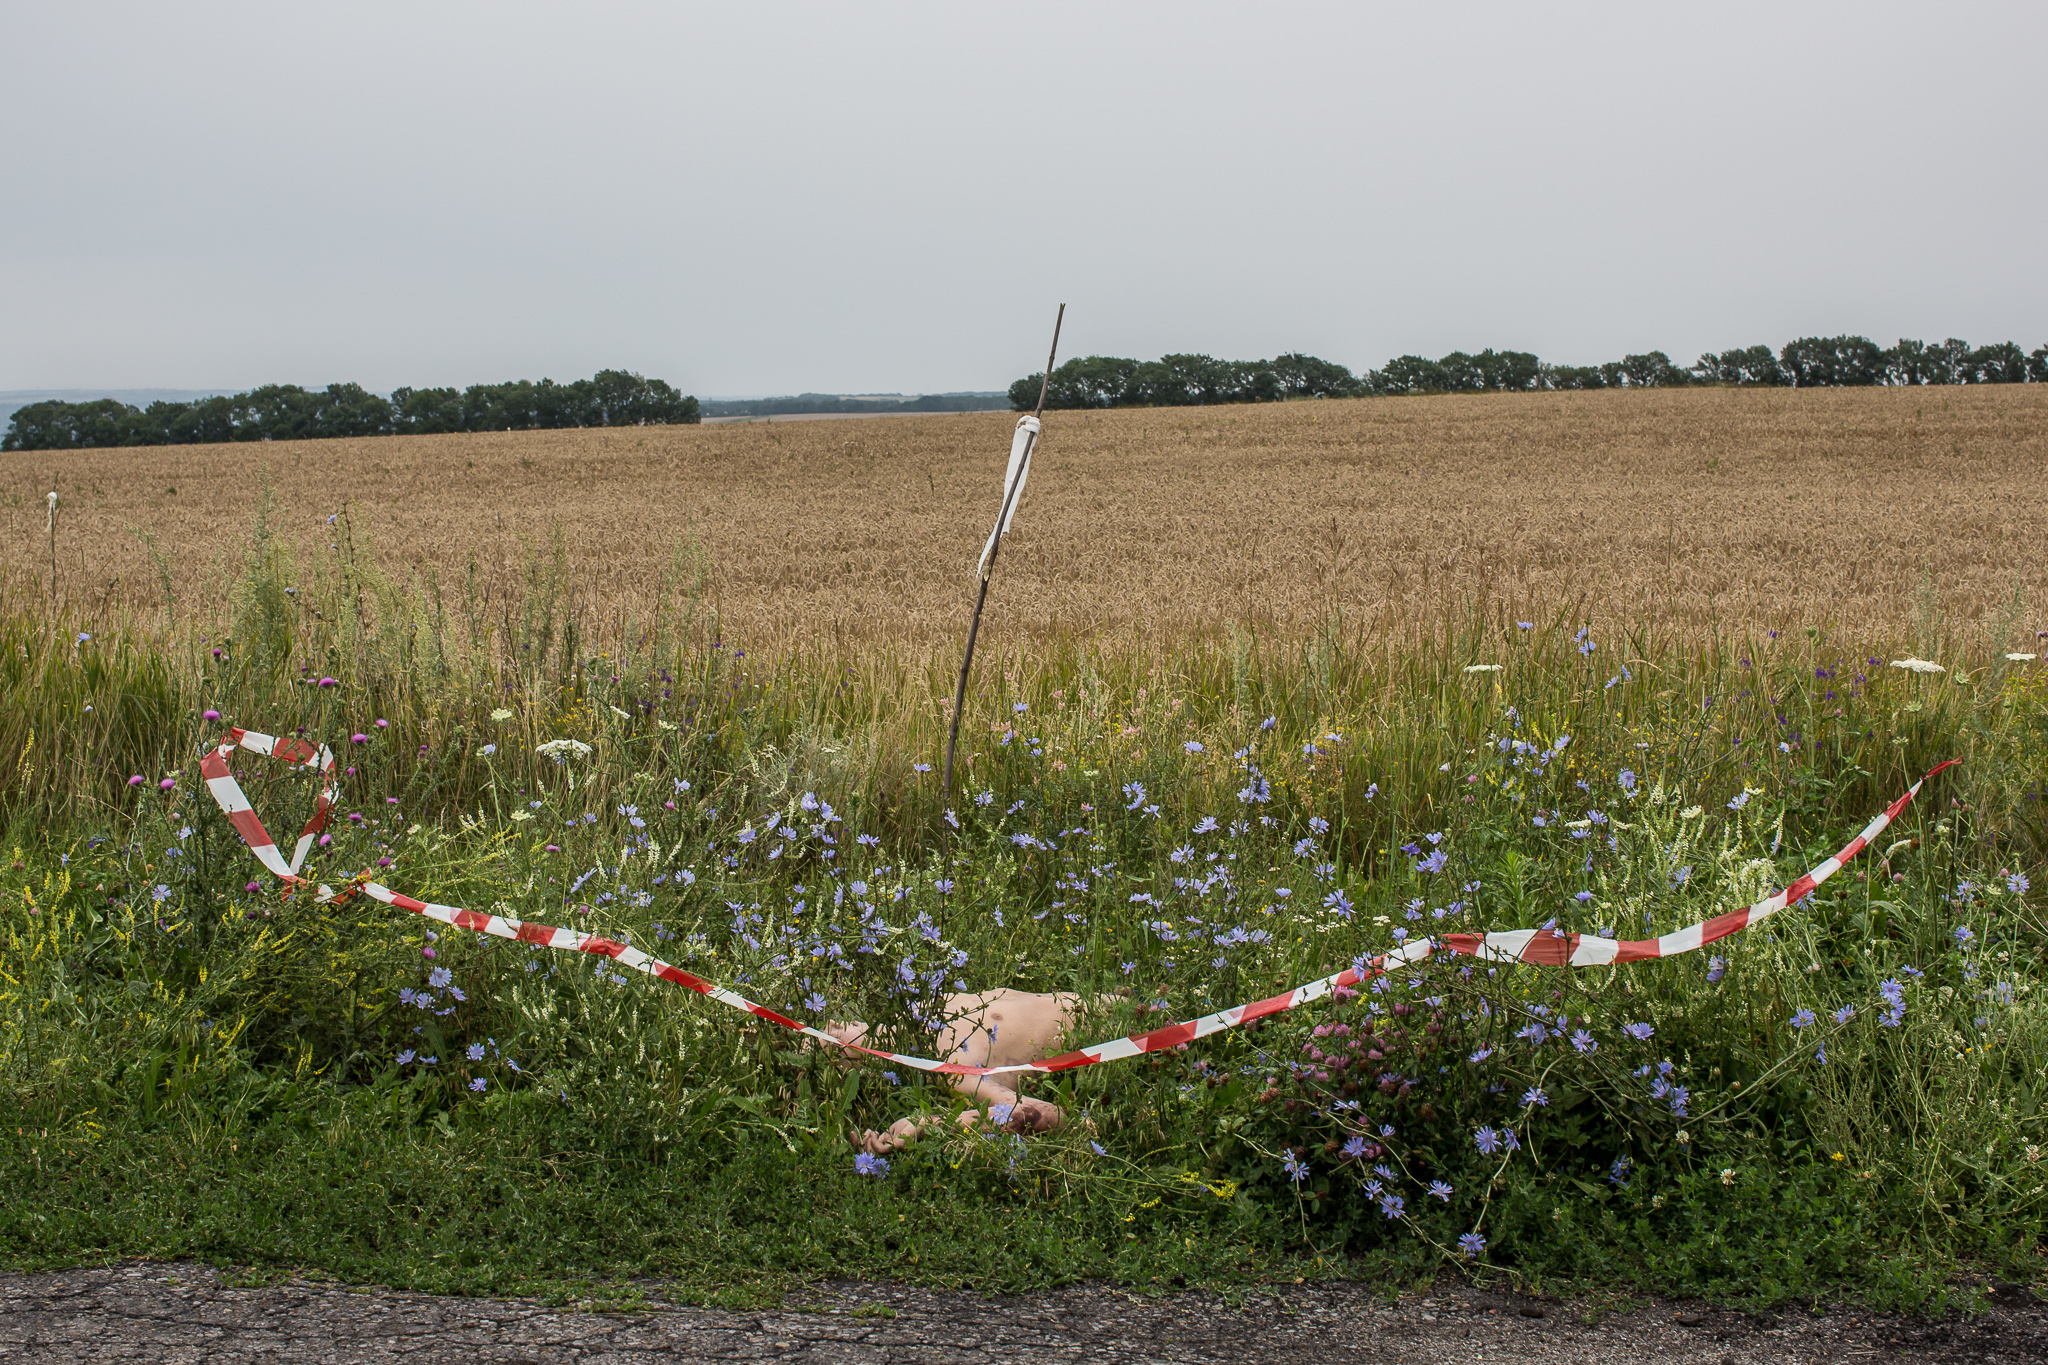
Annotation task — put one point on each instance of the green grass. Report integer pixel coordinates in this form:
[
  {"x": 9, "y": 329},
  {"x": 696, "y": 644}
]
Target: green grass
[{"x": 192, "y": 1066}]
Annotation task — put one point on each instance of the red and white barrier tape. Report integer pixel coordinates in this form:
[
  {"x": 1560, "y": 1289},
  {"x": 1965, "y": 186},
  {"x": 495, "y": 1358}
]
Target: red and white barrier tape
[
  {"x": 1550, "y": 947},
  {"x": 1554, "y": 947}
]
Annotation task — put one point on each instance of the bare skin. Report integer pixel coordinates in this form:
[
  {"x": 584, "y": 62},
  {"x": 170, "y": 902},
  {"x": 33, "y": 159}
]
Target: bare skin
[{"x": 988, "y": 1028}]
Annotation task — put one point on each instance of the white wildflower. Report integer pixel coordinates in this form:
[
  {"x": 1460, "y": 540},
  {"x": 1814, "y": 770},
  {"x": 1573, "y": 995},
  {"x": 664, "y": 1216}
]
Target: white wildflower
[
  {"x": 622, "y": 715},
  {"x": 501, "y": 714},
  {"x": 2022, "y": 658},
  {"x": 1482, "y": 668},
  {"x": 556, "y": 748},
  {"x": 521, "y": 816},
  {"x": 1918, "y": 666}
]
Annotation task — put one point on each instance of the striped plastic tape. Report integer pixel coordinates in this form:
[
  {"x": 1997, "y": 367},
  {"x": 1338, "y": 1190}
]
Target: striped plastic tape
[{"x": 1547, "y": 947}]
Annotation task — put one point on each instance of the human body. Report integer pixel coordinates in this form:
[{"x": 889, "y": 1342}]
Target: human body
[{"x": 986, "y": 1028}]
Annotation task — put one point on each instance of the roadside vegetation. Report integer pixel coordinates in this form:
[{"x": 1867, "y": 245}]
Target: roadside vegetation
[{"x": 191, "y": 1064}]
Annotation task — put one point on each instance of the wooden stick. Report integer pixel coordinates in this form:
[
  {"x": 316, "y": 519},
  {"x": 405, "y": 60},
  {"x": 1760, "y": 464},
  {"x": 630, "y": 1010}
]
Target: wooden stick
[
  {"x": 53, "y": 551},
  {"x": 995, "y": 547}
]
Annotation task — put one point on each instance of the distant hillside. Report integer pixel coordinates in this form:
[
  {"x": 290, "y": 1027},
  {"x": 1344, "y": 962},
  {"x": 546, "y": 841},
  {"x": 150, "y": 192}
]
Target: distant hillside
[{"x": 865, "y": 403}]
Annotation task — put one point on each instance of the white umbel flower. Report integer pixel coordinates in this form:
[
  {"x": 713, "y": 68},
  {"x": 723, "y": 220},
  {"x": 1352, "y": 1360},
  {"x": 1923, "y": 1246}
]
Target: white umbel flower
[
  {"x": 1918, "y": 666},
  {"x": 557, "y": 748}
]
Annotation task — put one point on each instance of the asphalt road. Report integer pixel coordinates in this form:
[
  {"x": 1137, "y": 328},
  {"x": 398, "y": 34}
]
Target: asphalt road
[{"x": 177, "y": 1313}]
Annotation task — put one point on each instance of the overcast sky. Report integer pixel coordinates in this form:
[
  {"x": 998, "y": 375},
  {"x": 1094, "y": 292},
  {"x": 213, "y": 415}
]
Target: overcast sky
[{"x": 768, "y": 198}]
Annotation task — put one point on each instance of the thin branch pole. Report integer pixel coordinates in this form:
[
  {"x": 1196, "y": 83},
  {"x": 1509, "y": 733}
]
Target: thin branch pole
[
  {"x": 995, "y": 548},
  {"x": 53, "y": 552}
]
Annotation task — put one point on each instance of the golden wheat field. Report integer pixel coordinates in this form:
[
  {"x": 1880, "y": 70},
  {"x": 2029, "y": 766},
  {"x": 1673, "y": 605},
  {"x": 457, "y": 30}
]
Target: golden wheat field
[{"x": 1691, "y": 509}]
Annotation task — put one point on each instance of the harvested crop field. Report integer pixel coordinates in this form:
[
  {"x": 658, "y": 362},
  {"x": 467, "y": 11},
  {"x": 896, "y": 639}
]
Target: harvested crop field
[{"x": 1698, "y": 509}]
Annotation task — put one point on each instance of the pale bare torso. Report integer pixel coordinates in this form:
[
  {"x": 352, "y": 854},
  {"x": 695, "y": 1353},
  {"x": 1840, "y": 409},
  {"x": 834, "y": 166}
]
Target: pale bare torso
[{"x": 986, "y": 1028}]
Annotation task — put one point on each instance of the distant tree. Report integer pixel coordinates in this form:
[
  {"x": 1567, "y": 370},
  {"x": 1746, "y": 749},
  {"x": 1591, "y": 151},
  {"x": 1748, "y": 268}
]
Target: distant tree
[
  {"x": 350, "y": 410},
  {"x": 277, "y": 412},
  {"x": 1096, "y": 381},
  {"x": 286, "y": 412},
  {"x": 427, "y": 412},
  {"x": 1571, "y": 377},
  {"x": 1490, "y": 371},
  {"x": 1833, "y": 362},
  {"x": 1909, "y": 363},
  {"x": 1461, "y": 373},
  {"x": 548, "y": 406},
  {"x": 2003, "y": 363},
  {"x": 498, "y": 407},
  {"x": 208, "y": 421},
  {"x": 1168, "y": 382},
  {"x": 1507, "y": 371},
  {"x": 1651, "y": 371},
  {"x": 1261, "y": 383},
  {"x": 1191, "y": 380},
  {"x": 1408, "y": 374},
  {"x": 57, "y": 425},
  {"x": 1751, "y": 367},
  {"x": 2037, "y": 365},
  {"x": 1955, "y": 362},
  {"x": 1948, "y": 360},
  {"x": 1181, "y": 380},
  {"x": 1305, "y": 376}
]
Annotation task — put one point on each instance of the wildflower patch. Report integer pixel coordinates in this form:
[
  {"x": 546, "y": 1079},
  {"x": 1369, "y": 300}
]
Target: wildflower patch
[{"x": 1547, "y": 946}]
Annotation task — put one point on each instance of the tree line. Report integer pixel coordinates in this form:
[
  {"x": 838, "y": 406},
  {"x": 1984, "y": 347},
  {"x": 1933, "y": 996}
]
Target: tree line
[
  {"x": 286, "y": 412},
  {"x": 809, "y": 404},
  {"x": 1101, "y": 381},
  {"x": 1809, "y": 362}
]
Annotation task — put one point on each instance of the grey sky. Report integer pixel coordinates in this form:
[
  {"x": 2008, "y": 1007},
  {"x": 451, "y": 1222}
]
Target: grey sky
[{"x": 768, "y": 198}]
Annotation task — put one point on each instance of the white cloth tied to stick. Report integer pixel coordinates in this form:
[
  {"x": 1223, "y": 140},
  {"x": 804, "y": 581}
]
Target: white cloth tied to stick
[{"x": 1021, "y": 446}]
